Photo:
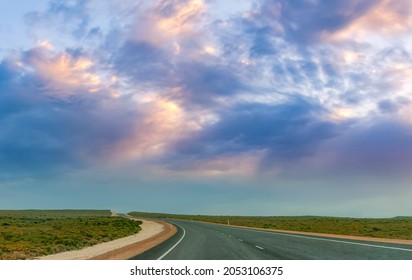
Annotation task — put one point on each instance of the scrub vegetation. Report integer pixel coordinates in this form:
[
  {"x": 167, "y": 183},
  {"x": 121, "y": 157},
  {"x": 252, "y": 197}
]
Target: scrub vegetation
[
  {"x": 394, "y": 228},
  {"x": 26, "y": 234}
]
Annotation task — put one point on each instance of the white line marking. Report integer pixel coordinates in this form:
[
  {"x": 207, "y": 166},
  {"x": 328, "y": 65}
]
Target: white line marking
[
  {"x": 240, "y": 240},
  {"x": 261, "y": 248},
  {"x": 331, "y": 240},
  {"x": 177, "y": 243},
  {"x": 230, "y": 236}
]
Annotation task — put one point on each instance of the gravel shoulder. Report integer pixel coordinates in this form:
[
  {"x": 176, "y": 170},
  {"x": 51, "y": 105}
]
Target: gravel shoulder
[{"x": 151, "y": 234}]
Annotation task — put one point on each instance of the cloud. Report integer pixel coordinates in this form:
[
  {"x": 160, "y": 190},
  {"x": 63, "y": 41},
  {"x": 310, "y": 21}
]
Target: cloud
[
  {"x": 168, "y": 47},
  {"x": 62, "y": 72},
  {"x": 202, "y": 82},
  {"x": 384, "y": 18},
  {"x": 269, "y": 100},
  {"x": 380, "y": 148},
  {"x": 307, "y": 22},
  {"x": 285, "y": 132},
  {"x": 143, "y": 63},
  {"x": 303, "y": 21},
  {"x": 166, "y": 22},
  {"x": 392, "y": 106},
  {"x": 44, "y": 131},
  {"x": 70, "y": 16},
  {"x": 162, "y": 123}
]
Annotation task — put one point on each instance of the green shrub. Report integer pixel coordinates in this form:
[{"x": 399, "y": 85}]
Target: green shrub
[{"x": 29, "y": 235}]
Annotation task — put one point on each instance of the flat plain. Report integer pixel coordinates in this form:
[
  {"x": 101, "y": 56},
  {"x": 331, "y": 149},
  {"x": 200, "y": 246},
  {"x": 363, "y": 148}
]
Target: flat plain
[
  {"x": 392, "y": 228},
  {"x": 26, "y": 234}
]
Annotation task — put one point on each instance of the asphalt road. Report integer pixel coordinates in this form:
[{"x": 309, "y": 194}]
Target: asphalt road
[{"x": 203, "y": 241}]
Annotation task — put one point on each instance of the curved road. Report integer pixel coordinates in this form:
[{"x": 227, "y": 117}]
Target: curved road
[{"x": 203, "y": 241}]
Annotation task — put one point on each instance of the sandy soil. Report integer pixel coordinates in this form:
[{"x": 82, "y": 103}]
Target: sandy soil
[{"x": 152, "y": 233}]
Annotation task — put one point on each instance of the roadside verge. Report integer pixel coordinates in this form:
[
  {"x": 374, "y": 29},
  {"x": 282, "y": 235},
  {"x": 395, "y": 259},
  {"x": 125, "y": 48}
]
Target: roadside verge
[
  {"x": 152, "y": 233},
  {"x": 330, "y": 235},
  {"x": 315, "y": 234}
]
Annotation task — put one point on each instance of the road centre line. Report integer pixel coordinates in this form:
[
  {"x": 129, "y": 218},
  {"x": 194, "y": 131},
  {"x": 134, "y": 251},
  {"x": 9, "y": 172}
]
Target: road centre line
[
  {"x": 177, "y": 243},
  {"x": 261, "y": 248},
  {"x": 330, "y": 240}
]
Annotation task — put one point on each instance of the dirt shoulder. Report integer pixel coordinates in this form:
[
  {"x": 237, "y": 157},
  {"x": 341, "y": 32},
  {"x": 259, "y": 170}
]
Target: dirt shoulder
[{"x": 152, "y": 233}]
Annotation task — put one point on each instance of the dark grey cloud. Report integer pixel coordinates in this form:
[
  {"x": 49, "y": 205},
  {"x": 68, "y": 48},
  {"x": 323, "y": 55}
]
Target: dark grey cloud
[
  {"x": 5, "y": 72},
  {"x": 287, "y": 132},
  {"x": 12, "y": 83},
  {"x": 42, "y": 133},
  {"x": 306, "y": 21},
  {"x": 300, "y": 23},
  {"x": 144, "y": 63},
  {"x": 202, "y": 82},
  {"x": 379, "y": 148},
  {"x": 263, "y": 44},
  {"x": 388, "y": 106},
  {"x": 290, "y": 132}
]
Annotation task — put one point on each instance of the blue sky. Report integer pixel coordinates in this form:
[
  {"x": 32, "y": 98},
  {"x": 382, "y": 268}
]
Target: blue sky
[{"x": 207, "y": 107}]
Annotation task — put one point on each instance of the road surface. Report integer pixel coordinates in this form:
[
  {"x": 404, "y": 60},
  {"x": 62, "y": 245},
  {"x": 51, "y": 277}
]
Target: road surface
[{"x": 204, "y": 241}]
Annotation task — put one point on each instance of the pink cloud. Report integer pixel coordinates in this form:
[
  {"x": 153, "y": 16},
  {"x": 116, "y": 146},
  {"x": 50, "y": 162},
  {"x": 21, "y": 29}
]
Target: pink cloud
[
  {"x": 168, "y": 21},
  {"x": 386, "y": 18}
]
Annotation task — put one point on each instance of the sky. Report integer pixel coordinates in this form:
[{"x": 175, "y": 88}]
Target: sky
[{"x": 265, "y": 107}]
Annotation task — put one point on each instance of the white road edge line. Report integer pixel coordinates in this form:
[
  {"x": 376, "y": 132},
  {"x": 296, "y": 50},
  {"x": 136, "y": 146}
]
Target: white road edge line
[
  {"x": 331, "y": 240},
  {"x": 174, "y": 246},
  {"x": 261, "y": 248}
]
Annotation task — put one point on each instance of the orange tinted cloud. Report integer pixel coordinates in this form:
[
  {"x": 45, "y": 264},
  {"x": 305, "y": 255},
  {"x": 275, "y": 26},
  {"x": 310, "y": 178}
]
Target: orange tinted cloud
[
  {"x": 240, "y": 165},
  {"x": 388, "y": 17},
  {"x": 67, "y": 74},
  {"x": 162, "y": 123},
  {"x": 63, "y": 70},
  {"x": 169, "y": 20}
]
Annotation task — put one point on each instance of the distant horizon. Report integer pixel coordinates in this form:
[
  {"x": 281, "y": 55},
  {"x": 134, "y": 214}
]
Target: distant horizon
[{"x": 215, "y": 215}]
